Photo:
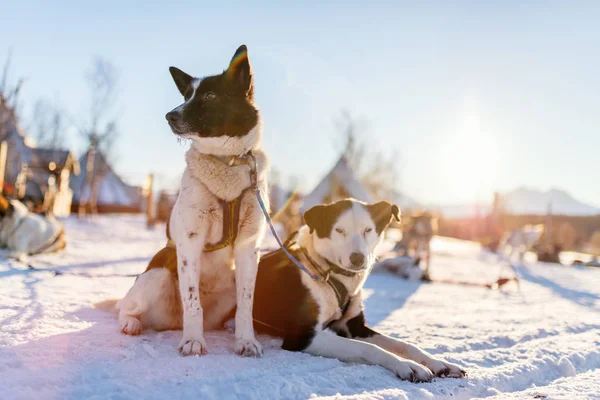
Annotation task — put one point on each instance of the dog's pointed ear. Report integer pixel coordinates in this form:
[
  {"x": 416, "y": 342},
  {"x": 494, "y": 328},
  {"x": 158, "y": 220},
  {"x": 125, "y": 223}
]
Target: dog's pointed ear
[
  {"x": 315, "y": 217},
  {"x": 182, "y": 80},
  {"x": 240, "y": 72},
  {"x": 382, "y": 214}
]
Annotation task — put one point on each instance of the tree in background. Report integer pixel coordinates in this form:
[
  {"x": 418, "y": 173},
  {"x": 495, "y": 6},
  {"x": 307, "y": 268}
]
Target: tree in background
[
  {"x": 375, "y": 169},
  {"x": 49, "y": 125},
  {"x": 99, "y": 131},
  {"x": 9, "y": 95}
]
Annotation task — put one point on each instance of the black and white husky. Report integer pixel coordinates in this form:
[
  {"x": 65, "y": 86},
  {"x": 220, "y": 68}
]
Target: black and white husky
[{"x": 216, "y": 223}]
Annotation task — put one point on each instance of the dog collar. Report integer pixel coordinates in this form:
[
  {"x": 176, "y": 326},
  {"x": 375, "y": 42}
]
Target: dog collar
[
  {"x": 333, "y": 268},
  {"x": 341, "y": 293}
]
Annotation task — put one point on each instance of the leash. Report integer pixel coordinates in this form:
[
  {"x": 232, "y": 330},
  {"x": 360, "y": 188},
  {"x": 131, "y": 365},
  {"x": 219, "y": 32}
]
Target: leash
[{"x": 261, "y": 203}]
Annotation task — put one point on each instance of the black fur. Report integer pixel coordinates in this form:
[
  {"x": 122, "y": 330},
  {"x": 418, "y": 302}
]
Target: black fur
[
  {"x": 357, "y": 327},
  {"x": 222, "y": 105},
  {"x": 283, "y": 306},
  {"x": 322, "y": 218},
  {"x": 382, "y": 214},
  {"x": 182, "y": 80}
]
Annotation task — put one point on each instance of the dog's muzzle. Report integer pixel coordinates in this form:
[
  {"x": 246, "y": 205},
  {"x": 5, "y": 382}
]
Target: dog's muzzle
[{"x": 173, "y": 118}]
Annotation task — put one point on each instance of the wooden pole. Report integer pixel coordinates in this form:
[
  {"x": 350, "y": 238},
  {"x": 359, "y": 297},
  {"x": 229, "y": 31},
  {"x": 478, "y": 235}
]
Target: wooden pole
[
  {"x": 3, "y": 153},
  {"x": 21, "y": 183},
  {"x": 149, "y": 202},
  {"x": 87, "y": 183}
]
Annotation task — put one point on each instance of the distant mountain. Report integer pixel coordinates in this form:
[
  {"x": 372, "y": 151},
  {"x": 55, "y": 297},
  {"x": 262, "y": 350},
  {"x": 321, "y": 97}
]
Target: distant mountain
[
  {"x": 530, "y": 201},
  {"x": 526, "y": 201}
]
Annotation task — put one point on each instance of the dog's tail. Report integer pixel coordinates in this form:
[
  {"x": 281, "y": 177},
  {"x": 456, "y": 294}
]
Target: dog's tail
[{"x": 108, "y": 305}]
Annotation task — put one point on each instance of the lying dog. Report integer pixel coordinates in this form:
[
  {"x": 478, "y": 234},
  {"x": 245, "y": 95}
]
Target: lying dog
[
  {"x": 338, "y": 243},
  {"x": 406, "y": 267},
  {"x": 216, "y": 222},
  {"x": 24, "y": 233}
]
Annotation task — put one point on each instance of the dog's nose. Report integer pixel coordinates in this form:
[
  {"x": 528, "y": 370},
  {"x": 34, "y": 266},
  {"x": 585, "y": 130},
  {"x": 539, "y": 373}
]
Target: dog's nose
[
  {"x": 357, "y": 259},
  {"x": 171, "y": 116}
]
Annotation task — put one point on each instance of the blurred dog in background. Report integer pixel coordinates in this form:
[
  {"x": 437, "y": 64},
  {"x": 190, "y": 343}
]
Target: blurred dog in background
[
  {"x": 520, "y": 241},
  {"x": 417, "y": 231},
  {"x": 24, "y": 233}
]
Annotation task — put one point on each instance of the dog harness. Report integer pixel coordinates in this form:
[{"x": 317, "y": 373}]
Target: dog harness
[
  {"x": 231, "y": 222},
  {"x": 339, "y": 289},
  {"x": 341, "y": 293}
]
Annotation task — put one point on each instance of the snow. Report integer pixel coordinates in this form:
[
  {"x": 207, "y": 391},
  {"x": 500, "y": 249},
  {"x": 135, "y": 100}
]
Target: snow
[{"x": 542, "y": 341}]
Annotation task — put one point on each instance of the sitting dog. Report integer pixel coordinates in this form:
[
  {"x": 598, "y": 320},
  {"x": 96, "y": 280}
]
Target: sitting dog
[
  {"x": 24, "y": 233},
  {"x": 216, "y": 223},
  {"x": 338, "y": 244}
]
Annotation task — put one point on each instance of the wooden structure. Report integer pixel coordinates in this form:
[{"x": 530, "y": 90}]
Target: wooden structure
[
  {"x": 99, "y": 189},
  {"x": 40, "y": 176},
  {"x": 341, "y": 182}
]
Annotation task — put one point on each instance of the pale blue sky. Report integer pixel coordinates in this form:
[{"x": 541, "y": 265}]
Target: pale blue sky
[{"x": 472, "y": 97}]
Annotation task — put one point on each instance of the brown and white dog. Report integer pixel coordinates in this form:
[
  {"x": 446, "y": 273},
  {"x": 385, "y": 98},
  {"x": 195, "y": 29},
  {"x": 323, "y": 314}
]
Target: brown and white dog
[
  {"x": 216, "y": 223},
  {"x": 337, "y": 243}
]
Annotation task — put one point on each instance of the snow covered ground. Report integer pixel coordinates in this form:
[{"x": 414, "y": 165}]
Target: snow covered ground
[{"x": 541, "y": 342}]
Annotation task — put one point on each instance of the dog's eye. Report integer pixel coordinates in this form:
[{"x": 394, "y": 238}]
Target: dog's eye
[
  {"x": 340, "y": 230},
  {"x": 209, "y": 96},
  {"x": 367, "y": 230}
]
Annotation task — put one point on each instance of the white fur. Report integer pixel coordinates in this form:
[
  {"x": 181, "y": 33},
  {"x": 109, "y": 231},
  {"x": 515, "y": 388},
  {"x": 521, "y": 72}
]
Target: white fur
[
  {"x": 354, "y": 224},
  {"x": 24, "y": 233},
  {"x": 193, "y": 224},
  {"x": 225, "y": 145},
  {"x": 217, "y": 280},
  {"x": 329, "y": 345}
]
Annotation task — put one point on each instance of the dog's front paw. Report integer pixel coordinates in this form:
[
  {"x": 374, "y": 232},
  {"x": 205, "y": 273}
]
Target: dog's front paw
[
  {"x": 248, "y": 348},
  {"x": 131, "y": 326},
  {"x": 411, "y": 371},
  {"x": 190, "y": 347},
  {"x": 444, "y": 369}
]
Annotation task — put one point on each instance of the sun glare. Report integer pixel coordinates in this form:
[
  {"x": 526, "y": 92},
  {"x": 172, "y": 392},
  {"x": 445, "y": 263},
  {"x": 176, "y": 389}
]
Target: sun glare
[{"x": 471, "y": 157}]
